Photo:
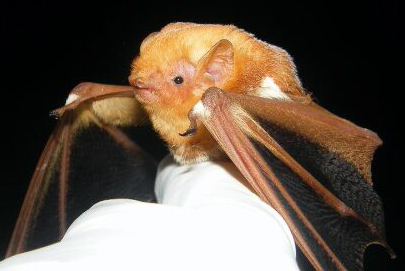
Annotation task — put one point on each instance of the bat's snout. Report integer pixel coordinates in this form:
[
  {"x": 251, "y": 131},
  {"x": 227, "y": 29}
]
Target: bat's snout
[
  {"x": 143, "y": 91},
  {"x": 139, "y": 83}
]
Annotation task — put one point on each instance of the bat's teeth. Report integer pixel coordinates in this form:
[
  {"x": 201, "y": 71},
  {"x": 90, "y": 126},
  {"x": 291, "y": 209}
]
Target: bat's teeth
[{"x": 71, "y": 98}]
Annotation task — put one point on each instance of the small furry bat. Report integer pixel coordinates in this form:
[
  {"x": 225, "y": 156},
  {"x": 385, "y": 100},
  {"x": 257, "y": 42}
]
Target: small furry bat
[{"x": 217, "y": 92}]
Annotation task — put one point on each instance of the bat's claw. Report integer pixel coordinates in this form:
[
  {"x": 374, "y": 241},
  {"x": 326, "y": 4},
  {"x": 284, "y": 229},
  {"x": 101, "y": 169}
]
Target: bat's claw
[{"x": 192, "y": 129}]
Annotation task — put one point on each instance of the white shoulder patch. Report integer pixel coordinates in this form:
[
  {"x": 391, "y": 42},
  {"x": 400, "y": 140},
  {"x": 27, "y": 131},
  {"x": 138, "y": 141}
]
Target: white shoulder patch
[
  {"x": 199, "y": 109},
  {"x": 71, "y": 98},
  {"x": 269, "y": 89}
]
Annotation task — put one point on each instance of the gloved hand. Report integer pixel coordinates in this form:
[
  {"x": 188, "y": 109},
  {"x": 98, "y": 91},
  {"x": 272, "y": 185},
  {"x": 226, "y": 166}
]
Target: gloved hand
[{"x": 207, "y": 220}]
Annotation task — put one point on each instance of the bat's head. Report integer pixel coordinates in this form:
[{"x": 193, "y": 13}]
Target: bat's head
[
  {"x": 178, "y": 63},
  {"x": 172, "y": 71}
]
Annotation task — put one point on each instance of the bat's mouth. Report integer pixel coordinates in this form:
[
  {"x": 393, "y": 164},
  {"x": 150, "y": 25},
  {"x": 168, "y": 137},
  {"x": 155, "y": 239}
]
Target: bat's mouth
[
  {"x": 143, "y": 92},
  {"x": 145, "y": 95}
]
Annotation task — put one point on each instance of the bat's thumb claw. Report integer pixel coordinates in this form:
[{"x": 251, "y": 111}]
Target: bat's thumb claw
[{"x": 192, "y": 129}]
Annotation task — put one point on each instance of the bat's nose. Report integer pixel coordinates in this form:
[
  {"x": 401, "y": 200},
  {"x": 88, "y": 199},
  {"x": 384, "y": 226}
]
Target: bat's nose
[
  {"x": 139, "y": 83},
  {"x": 144, "y": 92}
]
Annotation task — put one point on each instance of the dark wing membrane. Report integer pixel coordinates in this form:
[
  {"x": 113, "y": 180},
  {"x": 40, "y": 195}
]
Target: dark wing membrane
[
  {"x": 345, "y": 235},
  {"x": 80, "y": 165},
  {"x": 310, "y": 165}
]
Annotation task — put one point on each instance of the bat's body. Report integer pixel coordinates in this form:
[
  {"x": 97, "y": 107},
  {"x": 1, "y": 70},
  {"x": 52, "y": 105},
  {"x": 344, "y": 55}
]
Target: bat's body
[{"x": 213, "y": 91}]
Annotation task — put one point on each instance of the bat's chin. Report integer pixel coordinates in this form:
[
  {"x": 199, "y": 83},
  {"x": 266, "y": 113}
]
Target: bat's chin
[{"x": 146, "y": 95}]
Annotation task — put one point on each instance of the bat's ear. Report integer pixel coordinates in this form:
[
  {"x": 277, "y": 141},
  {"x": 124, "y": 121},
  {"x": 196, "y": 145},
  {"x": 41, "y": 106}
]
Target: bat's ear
[{"x": 217, "y": 63}]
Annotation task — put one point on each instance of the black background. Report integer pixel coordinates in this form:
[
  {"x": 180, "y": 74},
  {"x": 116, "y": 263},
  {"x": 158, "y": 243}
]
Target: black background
[{"x": 348, "y": 56}]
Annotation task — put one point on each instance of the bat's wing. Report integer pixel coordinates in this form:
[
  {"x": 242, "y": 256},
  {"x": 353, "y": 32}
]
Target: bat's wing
[
  {"x": 84, "y": 161},
  {"x": 310, "y": 165}
]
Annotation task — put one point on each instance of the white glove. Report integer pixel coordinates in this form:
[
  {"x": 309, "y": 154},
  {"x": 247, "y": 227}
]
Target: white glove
[{"x": 207, "y": 220}]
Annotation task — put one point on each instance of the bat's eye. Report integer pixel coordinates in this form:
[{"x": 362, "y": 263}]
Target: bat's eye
[{"x": 178, "y": 80}]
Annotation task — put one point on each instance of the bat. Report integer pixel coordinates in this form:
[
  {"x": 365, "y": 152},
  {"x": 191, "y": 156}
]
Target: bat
[{"x": 217, "y": 92}]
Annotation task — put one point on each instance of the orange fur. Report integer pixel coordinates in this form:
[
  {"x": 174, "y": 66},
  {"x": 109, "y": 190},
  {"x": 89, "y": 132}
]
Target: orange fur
[{"x": 178, "y": 49}]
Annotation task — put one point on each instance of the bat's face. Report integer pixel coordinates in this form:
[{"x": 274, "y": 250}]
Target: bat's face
[
  {"x": 168, "y": 94},
  {"x": 165, "y": 85},
  {"x": 169, "y": 82}
]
